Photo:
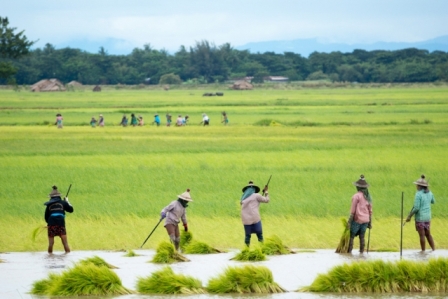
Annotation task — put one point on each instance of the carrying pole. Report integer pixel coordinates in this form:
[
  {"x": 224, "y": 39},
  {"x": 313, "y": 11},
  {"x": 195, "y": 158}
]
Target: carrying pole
[
  {"x": 401, "y": 234},
  {"x": 267, "y": 185},
  {"x": 152, "y": 232},
  {"x": 368, "y": 238}
]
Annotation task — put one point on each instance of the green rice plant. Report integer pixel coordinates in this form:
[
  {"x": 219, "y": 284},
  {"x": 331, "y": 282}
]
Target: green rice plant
[
  {"x": 36, "y": 232},
  {"x": 197, "y": 247},
  {"x": 97, "y": 261},
  {"x": 248, "y": 255},
  {"x": 42, "y": 287},
  {"x": 131, "y": 253},
  {"x": 167, "y": 254},
  {"x": 185, "y": 239},
  {"x": 165, "y": 281},
  {"x": 87, "y": 279},
  {"x": 247, "y": 279},
  {"x": 274, "y": 246},
  {"x": 384, "y": 277},
  {"x": 345, "y": 238}
]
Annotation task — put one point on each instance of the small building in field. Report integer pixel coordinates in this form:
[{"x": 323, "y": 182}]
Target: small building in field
[
  {"x": 48, "y": 85},
  {"x": 277, "y": 79},
  {"x": 242, "y": 85}
]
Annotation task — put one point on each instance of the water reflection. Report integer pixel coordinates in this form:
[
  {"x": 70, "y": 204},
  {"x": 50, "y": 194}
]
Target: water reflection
[{"x": 20, "y": 270}]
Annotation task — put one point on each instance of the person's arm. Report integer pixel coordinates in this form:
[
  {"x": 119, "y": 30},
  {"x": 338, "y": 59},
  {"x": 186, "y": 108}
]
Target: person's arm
[
  {"x": 184, "y": 220},
  {"x": 67, "y": 206},
  {"x": 415, "y": 208},
  {"x": 352, "y": 210},
  {"x": 47, "y": 214}
]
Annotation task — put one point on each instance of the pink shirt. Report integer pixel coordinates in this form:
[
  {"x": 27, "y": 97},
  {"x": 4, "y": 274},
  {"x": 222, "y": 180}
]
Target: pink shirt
[
  {"x": 361, "y": 209},
  {"x": 249, "y": 208}
]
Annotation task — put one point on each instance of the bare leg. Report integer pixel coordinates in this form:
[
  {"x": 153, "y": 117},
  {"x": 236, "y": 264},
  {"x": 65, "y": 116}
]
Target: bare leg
[
  {"x": 430, "y": 239},
  {"x": 50, "y": 244},
  {"x": 421, "y": 233},
  {"x": 65, "y": 243},
  {"x": 362, "y": 243}
]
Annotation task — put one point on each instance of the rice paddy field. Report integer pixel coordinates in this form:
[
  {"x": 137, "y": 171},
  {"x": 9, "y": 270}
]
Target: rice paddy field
[{"x": 314, "y": 143}]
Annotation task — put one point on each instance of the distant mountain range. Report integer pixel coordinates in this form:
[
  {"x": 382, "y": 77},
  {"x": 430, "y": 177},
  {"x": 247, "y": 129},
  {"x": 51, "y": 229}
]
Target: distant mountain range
[
  {"x": 307, "y": 46},
  {"x": 303, "y": 47}
]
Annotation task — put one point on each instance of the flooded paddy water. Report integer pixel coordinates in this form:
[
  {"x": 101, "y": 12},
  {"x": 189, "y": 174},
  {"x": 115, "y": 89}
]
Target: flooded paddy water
[{"x": 20, "y": 270}]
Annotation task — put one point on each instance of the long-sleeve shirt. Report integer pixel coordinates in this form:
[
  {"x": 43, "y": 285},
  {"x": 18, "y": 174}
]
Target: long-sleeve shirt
[
  {"x": 361, "y": 209},
  {"x": 250, "y": 208},
  {"x": 55, "y": 211},
  {"x": 422, "y": 205},
  {"x": 174, "y": 213}
]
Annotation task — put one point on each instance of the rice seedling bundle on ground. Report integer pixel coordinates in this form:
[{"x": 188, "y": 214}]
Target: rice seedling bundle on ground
[
  {"x": 167, "y": 254},
  {"x": 274, "y": 246},
  {"x": 188, "y": 245},
  {"x": 385, "y": 277},
  {"x": 345, "y": 238},
  {"x": 82, "y": 280},
  {"x": 247, "y": 279},
  {"x": 97, "y": 261},
  {"x": 36, "y": 232},
  {"x": 165, "y": 281},
  {"x": 131, "y": 253},
  {"x": 253, "y": 255}
]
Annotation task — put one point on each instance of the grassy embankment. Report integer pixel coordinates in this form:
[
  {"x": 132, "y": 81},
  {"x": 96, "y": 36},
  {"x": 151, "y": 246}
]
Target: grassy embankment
[{"x": 123, "y": 177}]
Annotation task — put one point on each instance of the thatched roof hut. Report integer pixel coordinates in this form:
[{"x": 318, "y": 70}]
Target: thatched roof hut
[
  {"x": 48, "y": 85},
  {"x": 97, "y": 88},
  {"x": 242, "y": 85}
]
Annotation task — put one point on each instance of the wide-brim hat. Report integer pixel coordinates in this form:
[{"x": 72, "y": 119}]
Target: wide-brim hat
[
  {"x": 251, "y": 184},
  {"x": 421, "y": 181},
  {"x": 54, "y": 193},
  {"x": 361, "y": 182},
  {"x": 186, "y": 196}
]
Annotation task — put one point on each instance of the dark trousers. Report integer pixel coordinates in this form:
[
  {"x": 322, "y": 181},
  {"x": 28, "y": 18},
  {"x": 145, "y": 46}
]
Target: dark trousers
[{"x": 255, "y": 228}]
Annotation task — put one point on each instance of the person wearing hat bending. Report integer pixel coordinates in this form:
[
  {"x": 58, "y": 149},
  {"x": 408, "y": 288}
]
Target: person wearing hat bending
[
  {"x": 173, "y": 214},
  {"x": 55, "y": 218},
  {"x": 422, "y": 211},
  {"x": 250, "y": 215},
  {"x": 360, "y": 214}
]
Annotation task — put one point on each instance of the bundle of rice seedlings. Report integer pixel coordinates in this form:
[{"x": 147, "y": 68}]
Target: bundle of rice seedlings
[
  {"x": 131, "y": 253},
  {"x": 384, "y": 277},
  {"x": 42, "y": 287},
  {"x": 345, "y": 238},
  {"x": 197, "y": 247},
  {"x": 97, "y": 261},
  {"x": 247, "y": 279},
  {"x": 165, "y": 281},
  {"x": 166, "y": 254},
  {"x": 274, "y": 246},
  {"x": 36, "y": 232},
  {"x": 254, "y": 255},
  {"x": 185, "y": 238},
  {"x": 81, "y": 280}
]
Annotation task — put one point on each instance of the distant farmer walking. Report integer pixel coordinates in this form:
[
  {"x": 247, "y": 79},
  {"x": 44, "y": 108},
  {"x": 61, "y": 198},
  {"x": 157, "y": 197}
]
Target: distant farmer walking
[
  {"x": 173, "y": 214},
  {"x": 422, "y": 211},
  {"x": 55, "y": 218},
  {"x": 205, "y": 120},
  {"x": 250, "y": 215},
  {"x": 360, "y": 214}
]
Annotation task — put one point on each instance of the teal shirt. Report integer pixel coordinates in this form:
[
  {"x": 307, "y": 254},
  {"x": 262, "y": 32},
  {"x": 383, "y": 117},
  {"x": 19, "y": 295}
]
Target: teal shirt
[{"x": 422, "y": 205}]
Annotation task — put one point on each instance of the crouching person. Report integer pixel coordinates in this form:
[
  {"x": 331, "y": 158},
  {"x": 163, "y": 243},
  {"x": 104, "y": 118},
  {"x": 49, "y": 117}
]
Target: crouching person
[
  {"x": 173, "y": 214},
  {"x": 55, "y": 218}
]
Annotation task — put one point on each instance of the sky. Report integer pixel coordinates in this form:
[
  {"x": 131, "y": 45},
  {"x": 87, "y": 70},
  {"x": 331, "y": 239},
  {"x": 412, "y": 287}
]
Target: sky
[{"x": 122, "y": 25}]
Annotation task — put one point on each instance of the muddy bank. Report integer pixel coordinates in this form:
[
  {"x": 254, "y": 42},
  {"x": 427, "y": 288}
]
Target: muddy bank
[{"x": 20, "y": 270}]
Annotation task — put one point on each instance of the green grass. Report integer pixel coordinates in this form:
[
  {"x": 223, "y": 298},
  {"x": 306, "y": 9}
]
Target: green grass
[
  {"x": 384, "y": 277},
  {"x": 85, "y": 278},
  {"x": 328, "y": 137},
  {"x": 273, "y": 245},
  {"x": 97, "y": 261},
  {"x": 166, "y": 254},
  {"x": 247, "y": 254},
  {"x": 165, "y": 281},
  {"x": 131, "y": 253},
  {"x": 246, "y": 279}
]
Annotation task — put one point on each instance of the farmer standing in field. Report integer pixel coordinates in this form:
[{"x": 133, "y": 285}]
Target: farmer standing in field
[
  {"x": 173, "y": 214},
  {"x": 422, "y": 211},
  {"x": 225, "y": 118},
  {"x": 55, "y": 218},
  {"x": 250, "y": 215},
  {"x": 205, "y": 119},
  {"x": 134, "y": 120},
  {"x": 101, "y": 121},
  {"x": 360, "y": 214},
  {"x": 124, "y": 121},
  {"x": 59, "y": 120}
]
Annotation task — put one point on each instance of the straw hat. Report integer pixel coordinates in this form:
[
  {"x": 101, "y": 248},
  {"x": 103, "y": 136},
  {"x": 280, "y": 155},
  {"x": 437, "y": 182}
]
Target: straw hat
[
  {"x": 361, "y": 182},
  {"x": 185, "y": 196},
  {"x": 421, "y": 181},
  {"x": 251, "y": 184},
  {"x": 54, "y": 192}
]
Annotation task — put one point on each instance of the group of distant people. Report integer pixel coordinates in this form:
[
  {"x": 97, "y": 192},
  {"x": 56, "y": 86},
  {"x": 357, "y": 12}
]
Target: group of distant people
[{"x": 138, "y": 121}]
